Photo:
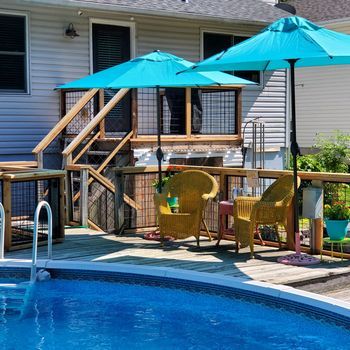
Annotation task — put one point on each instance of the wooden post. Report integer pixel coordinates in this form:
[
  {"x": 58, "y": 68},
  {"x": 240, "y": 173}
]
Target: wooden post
[
  {"x": 238, "y": 111},
  {"x": 61, "y": 214},
  {"x": 53, "y": 199},
  {"x": 188, "y": 113},
  {"x": 223, "y": 187},
  {"x": 8, "y": 212},
  {"x": 67, "y": 159},
  {"x": 69, "y": 197},
  {"x": 119, "y": 202},
  {"x": 84, "y": 197},
  {"x": 317, "y": 226},
  {"x": 101, "y": 104},
  {"x": 317, "y": 232},
  {"x": 134, "y": 113},
  {"x": 290, "y": 227},
  {"x": 40, "y": 159}
]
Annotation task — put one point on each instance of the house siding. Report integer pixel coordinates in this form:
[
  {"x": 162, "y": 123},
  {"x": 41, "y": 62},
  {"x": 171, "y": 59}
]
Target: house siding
[
  {"x": 54, "y": 60},
  {"x": 322, "y": 98}
]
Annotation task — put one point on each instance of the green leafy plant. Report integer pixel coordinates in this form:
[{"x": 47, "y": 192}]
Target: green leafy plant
[
  {"x": 337, "y": 211},
  {"x": 165, "y": 179},
  {"x": 334, "y": 152}
]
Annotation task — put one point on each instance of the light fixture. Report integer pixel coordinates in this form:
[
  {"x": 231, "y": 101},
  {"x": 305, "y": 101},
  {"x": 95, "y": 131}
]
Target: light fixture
[{"x": 71, "y": 32}]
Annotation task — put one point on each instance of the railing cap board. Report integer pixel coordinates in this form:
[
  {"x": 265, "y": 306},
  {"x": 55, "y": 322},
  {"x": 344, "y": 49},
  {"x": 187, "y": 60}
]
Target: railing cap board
[
  {"x": 30, "y": 175},
  {"x": 263, "y": 173}
]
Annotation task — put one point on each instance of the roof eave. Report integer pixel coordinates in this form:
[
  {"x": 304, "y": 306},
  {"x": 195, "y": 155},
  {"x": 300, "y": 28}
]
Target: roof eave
[{"x": 129, "y": 10}]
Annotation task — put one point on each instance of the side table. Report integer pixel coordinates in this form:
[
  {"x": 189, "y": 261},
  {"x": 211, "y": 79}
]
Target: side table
[
  {"x": 225, "y": 209},
  {"x": 340, "y": 242}
]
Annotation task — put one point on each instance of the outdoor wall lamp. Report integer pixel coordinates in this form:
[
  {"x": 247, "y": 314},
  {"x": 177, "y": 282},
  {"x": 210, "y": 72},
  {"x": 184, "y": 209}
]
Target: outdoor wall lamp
[{"x": 71, "y": 32}]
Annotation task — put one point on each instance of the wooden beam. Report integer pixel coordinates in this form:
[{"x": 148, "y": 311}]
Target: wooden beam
[
  {"x": 188, "y": 113},
  {"x": 103, "y": 181},
  {"x": 134, "y": 112},
  {"x": 183, "y": 139},
  {"x": 84, "y": 197},
  {"x": 95, "y": 122},
  {"x": 94, "y": 226},
  {"x": 101, "y": 104},
  {"x": 8, "y": 212},
  {"x": 86, "y": 147},
  {"x": 64, "y": 121},
  {"x": 115, "y": 151},
  {"x": 238, "y": 112},
  {"x": 24, "y": 164}
]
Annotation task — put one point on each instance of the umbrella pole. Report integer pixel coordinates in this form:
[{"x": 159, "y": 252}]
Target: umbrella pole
[
  {"x": 295, "y": 152},
  {"x": 159, "y": 153},
  {"x": 296, "y": 259}
]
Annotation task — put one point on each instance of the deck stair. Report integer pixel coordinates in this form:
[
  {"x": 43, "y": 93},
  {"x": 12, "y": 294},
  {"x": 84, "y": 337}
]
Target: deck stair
[{"x": 85, "y": 142}]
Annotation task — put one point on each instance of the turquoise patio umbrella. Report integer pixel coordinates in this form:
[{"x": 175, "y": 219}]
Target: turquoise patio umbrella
[
  {"x": 154, "y": 70},
  {"x": 287, "y": 43}
]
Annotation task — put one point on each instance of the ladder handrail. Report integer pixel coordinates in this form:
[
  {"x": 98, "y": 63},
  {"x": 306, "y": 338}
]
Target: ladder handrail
[
  {"x": 46, "y": 205},
  {"x": 2, "y": 231}
]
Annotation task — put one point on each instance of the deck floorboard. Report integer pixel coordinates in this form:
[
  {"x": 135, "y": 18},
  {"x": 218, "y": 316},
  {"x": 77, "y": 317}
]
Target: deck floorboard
[{"x": 88, "y": 245}]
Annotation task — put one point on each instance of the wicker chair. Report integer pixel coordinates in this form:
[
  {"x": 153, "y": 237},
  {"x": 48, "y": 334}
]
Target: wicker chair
[
  {"x": 269, "y": 209},
  {"x": 193, "y": 188}
]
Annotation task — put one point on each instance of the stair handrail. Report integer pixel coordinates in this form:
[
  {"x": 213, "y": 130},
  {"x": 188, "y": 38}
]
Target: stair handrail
[
  {"x": 2, "y": 231},
  {"x": 62, "y": 124},
  {"x": 46, "y": 205},
  {"x": 94, "y": 122}
]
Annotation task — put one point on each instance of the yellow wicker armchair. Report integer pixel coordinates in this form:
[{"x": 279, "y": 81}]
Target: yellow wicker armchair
[
  {"x": 269, "y": 209},
  {"x": 193, "y": 188}
]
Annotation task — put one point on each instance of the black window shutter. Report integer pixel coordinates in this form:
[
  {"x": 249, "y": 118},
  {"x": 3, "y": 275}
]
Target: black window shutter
[
  {"x": 214, "y": 43},
  {"x": 111, "y": 46},
  {"x": 12, "y": 53}
]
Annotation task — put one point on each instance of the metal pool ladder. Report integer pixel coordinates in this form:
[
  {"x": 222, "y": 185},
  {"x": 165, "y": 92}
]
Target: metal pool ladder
[
  {"x": 42, "y": 204},
  {"x": 14, "y": 297}
]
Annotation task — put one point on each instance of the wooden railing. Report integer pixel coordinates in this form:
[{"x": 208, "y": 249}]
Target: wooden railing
[
  {"x": 87, "y": 176},
  {"x": 140, "y": 179},
  {"x": 21, "y": 191},
  {"x": 61, "y": 125},
  {"x": 96, "y": 121}
]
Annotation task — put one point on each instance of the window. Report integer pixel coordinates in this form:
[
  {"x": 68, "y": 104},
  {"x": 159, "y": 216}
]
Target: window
[
  {"x": 214, "y": 43},
  {"x": 13, "y": 53}
]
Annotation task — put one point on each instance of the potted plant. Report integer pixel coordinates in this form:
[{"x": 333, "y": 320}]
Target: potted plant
[{"x": 337, "y": 217}]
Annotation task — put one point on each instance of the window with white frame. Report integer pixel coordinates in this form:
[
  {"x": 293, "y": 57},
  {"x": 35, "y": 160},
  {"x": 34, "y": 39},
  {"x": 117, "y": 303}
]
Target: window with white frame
[
  {"x": 214, "y": 43},
  {"x": 13, "y": 53}
]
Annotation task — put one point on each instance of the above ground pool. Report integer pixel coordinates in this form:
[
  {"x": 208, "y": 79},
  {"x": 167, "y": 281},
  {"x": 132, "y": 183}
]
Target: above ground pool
[{"x": 133, "y": 313}]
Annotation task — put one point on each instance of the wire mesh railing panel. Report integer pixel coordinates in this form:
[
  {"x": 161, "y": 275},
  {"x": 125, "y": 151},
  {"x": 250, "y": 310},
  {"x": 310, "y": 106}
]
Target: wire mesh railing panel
[
  {"x": 147, "y": 111},
  {"x": 84, "y": 117},
  {"x": 25, "y": 197},
  {"x": 218, "y": 113},
  {"x": 213, "y": 111},
  {"x": 211, "y": 212},
  {"x": 101, "y": 207},
  {"x": 74, "y": 182},
  {"x": 140, "y": 189},
  {"x": 118, "y": 120},
  {"x": 52, "y": 157}
]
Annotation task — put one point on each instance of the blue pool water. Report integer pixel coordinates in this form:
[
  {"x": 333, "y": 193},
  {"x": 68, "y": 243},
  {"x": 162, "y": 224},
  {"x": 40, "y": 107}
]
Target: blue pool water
[{"x": 100, "y": 315}]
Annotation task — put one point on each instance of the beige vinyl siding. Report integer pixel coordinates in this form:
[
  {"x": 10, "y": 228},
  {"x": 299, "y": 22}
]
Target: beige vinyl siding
[
  {"x": 54, "y": 60},
  {"x": 323, "y": 98}
]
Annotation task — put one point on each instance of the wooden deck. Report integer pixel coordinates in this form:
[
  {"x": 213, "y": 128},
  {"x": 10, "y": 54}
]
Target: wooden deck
[{"x": 328, "y": 278}]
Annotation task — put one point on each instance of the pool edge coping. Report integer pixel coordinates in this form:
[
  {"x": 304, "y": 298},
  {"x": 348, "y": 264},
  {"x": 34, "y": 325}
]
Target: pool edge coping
[{"x": 281, "y": 292}]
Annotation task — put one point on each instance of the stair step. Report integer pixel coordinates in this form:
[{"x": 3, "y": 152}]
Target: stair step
[{"x": 98, "y": 153}]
